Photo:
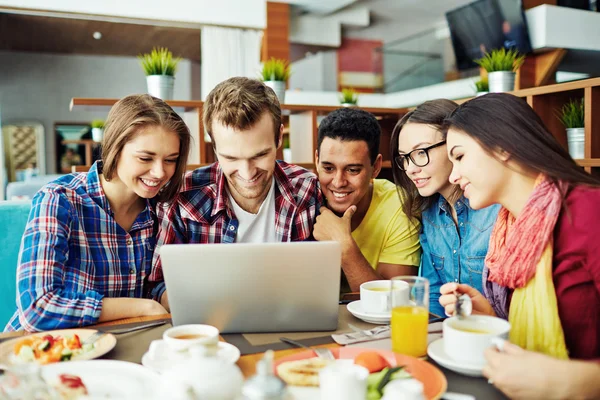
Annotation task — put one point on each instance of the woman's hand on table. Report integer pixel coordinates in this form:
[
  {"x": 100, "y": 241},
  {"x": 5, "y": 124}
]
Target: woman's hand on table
[
  {"x": 523, "y": 374},
  {"x": 155, "y": 308},
  {"x": 448, "y": 299}
]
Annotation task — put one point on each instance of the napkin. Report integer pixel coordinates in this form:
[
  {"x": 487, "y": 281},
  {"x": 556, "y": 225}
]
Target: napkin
[{"x": 434, "y": 331}]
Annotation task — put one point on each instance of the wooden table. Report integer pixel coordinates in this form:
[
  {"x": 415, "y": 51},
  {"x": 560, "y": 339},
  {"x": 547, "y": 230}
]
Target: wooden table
[
  {"x": 477, "y": 387},
  {"x": 246, "y": 363}
]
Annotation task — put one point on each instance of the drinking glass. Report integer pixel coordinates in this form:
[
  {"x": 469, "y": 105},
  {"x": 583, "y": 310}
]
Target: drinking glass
[{"x": 410, "y": 317}]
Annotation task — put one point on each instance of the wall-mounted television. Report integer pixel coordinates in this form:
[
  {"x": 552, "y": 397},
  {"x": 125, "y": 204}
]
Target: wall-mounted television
[{"x": 485, "y": 25}]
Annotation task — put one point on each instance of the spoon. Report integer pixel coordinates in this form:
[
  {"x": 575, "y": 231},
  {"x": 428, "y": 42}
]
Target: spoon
[{"x": 464, "y": 305}]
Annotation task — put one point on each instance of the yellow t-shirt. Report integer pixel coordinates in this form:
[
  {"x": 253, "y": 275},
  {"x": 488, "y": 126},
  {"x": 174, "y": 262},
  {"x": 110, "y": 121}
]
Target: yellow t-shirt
[{"x": 386, "y": 235}]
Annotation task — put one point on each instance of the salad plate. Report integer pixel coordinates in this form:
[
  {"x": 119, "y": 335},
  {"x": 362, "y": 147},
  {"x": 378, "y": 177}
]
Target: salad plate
[
  {"x": 54, "y": 346},
  {"x": 433, "y": 380}
]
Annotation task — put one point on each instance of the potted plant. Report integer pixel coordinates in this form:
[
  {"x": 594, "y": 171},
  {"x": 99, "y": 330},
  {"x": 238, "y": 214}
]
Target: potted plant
[
  {"x": 97, "y": 130},
  {"x": 501, "y": 66},
  {"x": 275, "y": 73},
  {"x": 572, "y": 117},
  {"x": 159, "y": 67},
  {"x": 349, "y": 97},
  {"x": 482, "y": 87}
]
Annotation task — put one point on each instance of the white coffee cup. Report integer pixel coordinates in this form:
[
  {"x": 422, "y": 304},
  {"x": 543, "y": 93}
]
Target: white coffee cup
[
  {"x": 376, "y": 296},
  {"x": 466, "y": 339},
  {"x": 183, "y": 337},
  {"x": 343, "y": 381}
]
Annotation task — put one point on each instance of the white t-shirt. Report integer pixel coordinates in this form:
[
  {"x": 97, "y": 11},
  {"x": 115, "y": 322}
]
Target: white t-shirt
[{"x": 259, "y": 227}]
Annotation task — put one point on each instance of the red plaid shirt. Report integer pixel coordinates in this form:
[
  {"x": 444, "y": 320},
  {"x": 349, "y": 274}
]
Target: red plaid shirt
[{"x": 202, "y": 213}]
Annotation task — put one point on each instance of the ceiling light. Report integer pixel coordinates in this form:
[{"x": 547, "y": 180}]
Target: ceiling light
[{"x": 97, "y": 35}]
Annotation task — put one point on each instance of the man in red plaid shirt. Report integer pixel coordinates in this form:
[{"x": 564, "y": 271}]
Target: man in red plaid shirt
[{"x": 247, "y": 196}]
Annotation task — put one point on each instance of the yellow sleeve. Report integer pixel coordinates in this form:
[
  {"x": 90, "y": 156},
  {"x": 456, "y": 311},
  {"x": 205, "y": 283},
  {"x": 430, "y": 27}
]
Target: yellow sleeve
[{"x": 401, "y": 243}]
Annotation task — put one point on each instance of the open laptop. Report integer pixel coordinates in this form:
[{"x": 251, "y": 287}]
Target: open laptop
[{"x": 266, "y": 287}]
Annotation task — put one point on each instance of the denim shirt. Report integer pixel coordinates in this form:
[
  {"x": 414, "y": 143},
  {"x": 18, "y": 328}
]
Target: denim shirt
[{"x": 451, "y": 252}]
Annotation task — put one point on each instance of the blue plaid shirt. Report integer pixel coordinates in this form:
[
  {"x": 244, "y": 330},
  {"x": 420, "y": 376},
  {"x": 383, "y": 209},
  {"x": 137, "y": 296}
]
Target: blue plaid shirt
[{"x": 73, "y": 254}]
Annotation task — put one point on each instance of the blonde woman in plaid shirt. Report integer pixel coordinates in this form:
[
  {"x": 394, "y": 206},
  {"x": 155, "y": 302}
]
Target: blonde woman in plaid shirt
[
  {"x": 88, "y": 244},
  {"x": 247, "y": 196}
]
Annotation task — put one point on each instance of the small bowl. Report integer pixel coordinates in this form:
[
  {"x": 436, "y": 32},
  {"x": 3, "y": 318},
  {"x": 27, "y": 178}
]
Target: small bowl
[{"x": 183, "y": 337}]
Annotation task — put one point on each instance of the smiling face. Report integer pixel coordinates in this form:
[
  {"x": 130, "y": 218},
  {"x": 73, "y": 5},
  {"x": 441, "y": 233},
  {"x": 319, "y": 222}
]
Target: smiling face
[
  {"x": 345, "y": 173},
  {"x": 433, "y": 177},
  {"x": 247, "y": 159},
  {"x": 482, "y": 176},
  {"x": 148, "y": 161}
]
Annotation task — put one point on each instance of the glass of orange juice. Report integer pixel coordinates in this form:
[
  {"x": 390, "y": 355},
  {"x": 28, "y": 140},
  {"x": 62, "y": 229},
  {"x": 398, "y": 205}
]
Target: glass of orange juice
[{"x": 410, "y": 316}]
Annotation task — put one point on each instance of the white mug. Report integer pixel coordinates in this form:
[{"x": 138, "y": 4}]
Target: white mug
[
  {"x": 343, "y": 381},
  {"x": 466, "y": 339},
  {"x": 377, "y": 298}
]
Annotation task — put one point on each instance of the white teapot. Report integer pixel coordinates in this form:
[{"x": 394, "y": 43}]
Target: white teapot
[{"x": 202, "y": 377}]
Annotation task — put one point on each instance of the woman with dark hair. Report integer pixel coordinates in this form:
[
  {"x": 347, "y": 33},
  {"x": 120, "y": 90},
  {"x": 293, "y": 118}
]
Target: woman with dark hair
[
  {"x": 89, "y": 241},
  {"x": 544, "y": 247},
  {"x": 454, "y": 237}
]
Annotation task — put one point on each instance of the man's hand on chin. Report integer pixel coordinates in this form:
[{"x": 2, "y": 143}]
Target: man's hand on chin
[{"x": 331, "y": 227}]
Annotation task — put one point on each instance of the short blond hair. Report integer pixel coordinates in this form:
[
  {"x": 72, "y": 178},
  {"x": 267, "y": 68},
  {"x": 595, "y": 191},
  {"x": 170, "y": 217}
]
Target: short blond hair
[
  {"x": 126, "y": 118},
  {"x": 239, "y": 103}
]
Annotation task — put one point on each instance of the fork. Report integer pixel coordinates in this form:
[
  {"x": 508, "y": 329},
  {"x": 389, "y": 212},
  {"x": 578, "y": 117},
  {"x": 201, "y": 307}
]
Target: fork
[
  {"x": 370, "y": 332},
  {"x": 323, "y": 353}
]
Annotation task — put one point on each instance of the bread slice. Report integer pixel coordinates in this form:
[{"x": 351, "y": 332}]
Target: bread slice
[{"x": 302, "y": 372}]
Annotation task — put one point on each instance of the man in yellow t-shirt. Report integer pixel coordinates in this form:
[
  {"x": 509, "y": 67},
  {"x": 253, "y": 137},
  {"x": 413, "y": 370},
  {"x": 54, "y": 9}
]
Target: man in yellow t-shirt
[{"x": 364, "y": 214}]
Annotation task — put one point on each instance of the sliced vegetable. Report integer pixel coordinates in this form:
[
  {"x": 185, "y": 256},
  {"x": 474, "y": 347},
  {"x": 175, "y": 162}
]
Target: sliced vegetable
[
  {"x": 386, "y": 378},
  {"x": 371, "y": 360},
  {"x": 45, "y": 345}
]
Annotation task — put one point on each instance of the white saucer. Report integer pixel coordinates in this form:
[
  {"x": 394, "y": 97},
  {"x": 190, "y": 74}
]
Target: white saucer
[
  {"x": 372, "y": 318},
  {"x": 164, "y": 358},
  {"x": 437, "y": 353}
]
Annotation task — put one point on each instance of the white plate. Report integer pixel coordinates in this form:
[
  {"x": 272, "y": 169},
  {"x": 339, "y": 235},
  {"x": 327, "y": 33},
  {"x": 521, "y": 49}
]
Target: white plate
[
  {"x": 108, "y": 378},
  {"x": 437, "y": 353},
  {"x": 164, "y": 358},
  {"x": 372, "y": 318}
]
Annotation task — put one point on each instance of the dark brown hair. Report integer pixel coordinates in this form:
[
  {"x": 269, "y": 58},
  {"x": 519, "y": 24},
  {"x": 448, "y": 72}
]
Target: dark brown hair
[
  {"x": 239, "y": 103},
  {"x": 503, "y": 121},
  {"x": 431, "y": 113},
  {"x": 126, "y": 118}
]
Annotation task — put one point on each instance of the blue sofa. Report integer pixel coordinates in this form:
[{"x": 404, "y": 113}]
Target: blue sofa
[{"x": 13, "y": 218}]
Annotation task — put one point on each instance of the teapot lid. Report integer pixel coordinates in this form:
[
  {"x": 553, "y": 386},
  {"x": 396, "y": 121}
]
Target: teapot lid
[{"x": 264, "y": 385}]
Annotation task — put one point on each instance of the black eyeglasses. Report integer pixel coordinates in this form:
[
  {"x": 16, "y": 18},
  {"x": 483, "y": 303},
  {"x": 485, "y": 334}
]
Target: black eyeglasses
[{"x": 419, "y": 157}]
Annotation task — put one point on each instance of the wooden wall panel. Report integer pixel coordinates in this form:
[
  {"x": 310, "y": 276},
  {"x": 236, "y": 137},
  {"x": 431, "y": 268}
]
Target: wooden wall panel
[
  {"x": 276, "y": 41},
  {"x": 527, "y": 4}
]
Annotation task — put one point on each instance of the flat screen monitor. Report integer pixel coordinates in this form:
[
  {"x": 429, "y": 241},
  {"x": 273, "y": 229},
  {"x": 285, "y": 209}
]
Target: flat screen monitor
[{"x": 485, "y": 25}]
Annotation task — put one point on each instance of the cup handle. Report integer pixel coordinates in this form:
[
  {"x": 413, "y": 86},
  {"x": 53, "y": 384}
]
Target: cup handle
[{"x": 386, "y": 302}]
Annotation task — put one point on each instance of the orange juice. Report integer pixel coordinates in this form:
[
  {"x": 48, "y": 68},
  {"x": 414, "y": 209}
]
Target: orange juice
[{"x": 409, "y": 330}]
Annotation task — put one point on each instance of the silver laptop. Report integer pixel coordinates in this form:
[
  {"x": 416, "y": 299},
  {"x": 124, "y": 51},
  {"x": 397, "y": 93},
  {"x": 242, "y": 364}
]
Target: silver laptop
[{"x": 267, "y": 287}]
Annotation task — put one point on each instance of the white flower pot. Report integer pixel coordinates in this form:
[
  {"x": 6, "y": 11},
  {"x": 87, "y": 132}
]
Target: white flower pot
[
  {"x": 501, "y": 81},
  {"x": 349, "y": 105},
  {"x": 480, "y": 93},
  {"x": 97, "y": 134},
  {"x": 279, "y": 89},
  {"x": 161, "y": 86},
  {"x": 576, "y": 140}
]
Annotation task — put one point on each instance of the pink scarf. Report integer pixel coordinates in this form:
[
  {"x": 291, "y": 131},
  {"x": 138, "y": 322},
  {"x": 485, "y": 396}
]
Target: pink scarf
[{"x": 516, "y": 244}]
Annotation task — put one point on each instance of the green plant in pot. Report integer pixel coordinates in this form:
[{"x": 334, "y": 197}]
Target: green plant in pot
[
  {"x": 501, "y": 66},
  {"x": 482, "y": 87},
  {"x": 275, "y": 73},
  {"x": 97, "y": 130},
  {"x": 348, "y": 97},
  {"x": 572, "y": 117},
  {"x": 160, "y": 67}
]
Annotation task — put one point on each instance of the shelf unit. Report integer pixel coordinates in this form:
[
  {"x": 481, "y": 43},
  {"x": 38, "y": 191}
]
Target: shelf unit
[
  {"x": 546, "y": 101},
  {"x": 300, "y": 121}
]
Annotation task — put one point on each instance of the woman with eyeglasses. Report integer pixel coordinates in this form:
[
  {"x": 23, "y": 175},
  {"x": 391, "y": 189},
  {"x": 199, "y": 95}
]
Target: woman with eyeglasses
[{"x": 454, "y": 237}]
